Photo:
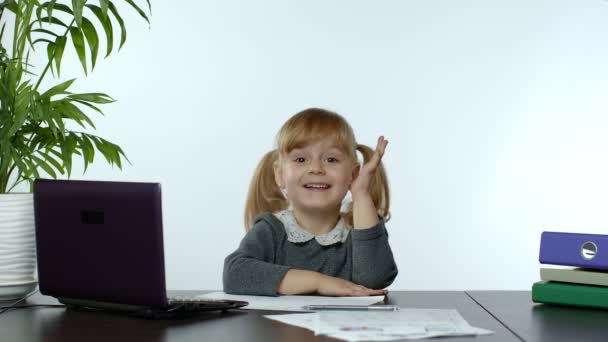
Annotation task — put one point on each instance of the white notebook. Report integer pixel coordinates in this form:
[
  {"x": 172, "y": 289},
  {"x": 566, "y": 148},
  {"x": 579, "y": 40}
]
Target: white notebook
[
  {"x": 292, "y": 303},
  {"x": 575, "y": 275}
]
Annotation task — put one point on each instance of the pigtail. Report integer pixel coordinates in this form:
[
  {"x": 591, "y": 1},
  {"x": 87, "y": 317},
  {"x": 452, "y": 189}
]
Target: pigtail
[
  {"x": 264, "y": 193},
  {"x": 378, "y": 189}
]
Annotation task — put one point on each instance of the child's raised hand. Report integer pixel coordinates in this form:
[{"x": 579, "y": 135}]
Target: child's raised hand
[
  {"x": 337, "y": 287},
  {"x": 361, "y": 183}
]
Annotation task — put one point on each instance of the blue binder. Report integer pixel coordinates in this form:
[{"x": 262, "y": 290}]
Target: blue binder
[{"x": 573, "y": 249}]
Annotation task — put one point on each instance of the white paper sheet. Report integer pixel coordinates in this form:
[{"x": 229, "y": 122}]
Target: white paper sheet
[
  {"x": 383, "y": 326},
  {"x": 393, "y": 322},
  {"x": 293, "y": 303}
]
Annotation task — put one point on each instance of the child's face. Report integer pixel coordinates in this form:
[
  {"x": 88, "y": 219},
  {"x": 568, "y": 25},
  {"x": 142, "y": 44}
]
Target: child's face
[{"x": 316, "y": 176}]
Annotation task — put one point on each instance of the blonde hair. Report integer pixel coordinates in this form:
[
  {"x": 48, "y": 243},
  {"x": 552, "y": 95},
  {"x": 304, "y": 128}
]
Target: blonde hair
[{"x": 311, "y": 124}]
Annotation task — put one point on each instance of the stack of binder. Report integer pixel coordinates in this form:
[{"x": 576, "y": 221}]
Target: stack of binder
[{"x": 585, "y": 281}]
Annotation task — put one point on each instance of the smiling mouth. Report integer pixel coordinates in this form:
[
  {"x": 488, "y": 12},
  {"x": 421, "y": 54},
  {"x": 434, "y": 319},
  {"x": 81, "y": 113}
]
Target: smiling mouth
[{"x": 317, "y": 186}]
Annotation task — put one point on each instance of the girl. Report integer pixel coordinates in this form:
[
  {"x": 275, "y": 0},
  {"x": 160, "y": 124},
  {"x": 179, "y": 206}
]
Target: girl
[{"x": 299, "y": 242}]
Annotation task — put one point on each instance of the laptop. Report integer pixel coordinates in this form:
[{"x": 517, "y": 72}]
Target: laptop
[{"x": 100, "y": 245}]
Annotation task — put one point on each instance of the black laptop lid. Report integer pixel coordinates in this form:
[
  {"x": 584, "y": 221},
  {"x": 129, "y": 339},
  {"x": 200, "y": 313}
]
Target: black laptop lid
[{"x": 100, "y": 241}]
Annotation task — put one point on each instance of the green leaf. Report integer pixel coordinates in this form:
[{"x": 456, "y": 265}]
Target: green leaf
[
  {"x": 41, "y": 163},
  {"x": 102, "y": 148},
  {"x": 121, "y": 152},
  {"x": 68, "y": 113},
  {"x": 11, "y": 6},
  {"x": 56, "y": 153},
  {"x": 43, "y": 40},
  {"x": 85, "y": 152},
  {"x": 77, "y": 6},
  {"x": 51, "y": 124},
  {"x": 104, "y": 7},
  {"x": 111, "y": 151},
  {"x": 78, "y": 40},
  {"x": 21, "y": 107},
  {"x": 20, "y": 113},
  {"x": 58, "y": 89},
  {"x": 60, "y": 45},
  {"x": 123, "y": 30},
  {"x": 50, "y": 51},
  {"x": 23, "y": 85},
  {"x": 67, "y": 150},
  {"x": 88, "y": 152},
  {"x": 39, "y": 140},
  {"x": 92, "y": 97},
  {"x": 116, "y": 156},
  {"x": 39, "y": 14},
  {"x": 49, "y": 20},
  {"x": 139, "y": 10},
  {"x": 57, "y": 123},
  {"x": 52, "y": 160},
  {"x": 89, "y": 105},
  {"x": 49, "y": 32},
  {"x": 53, "y": 5},
  {"x": 106, "y": 23},
  {"x": 29, "y": 39},
  {"x": 89, "y": 145},
  {"x": 112, "y": 148},
  {"x": 71, "y": 111},
  {"x": 23, "y": 169},
  {"x": 33, "y": 170},
  {"x": 5, "y": 158},
  {"x": 41, "y": 109},
  {"x": 92, "y": 39},
  {"x": 49, "y": 8}
]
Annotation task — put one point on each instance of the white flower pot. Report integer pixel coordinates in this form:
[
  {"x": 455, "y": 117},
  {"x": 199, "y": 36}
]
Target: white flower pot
[{"x": 17, "y": 245}]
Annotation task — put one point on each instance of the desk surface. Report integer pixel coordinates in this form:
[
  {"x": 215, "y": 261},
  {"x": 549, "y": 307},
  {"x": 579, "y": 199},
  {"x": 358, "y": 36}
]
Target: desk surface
[
  {"x": 539, "y": 322},
  {"x": 58, "y": 324}
]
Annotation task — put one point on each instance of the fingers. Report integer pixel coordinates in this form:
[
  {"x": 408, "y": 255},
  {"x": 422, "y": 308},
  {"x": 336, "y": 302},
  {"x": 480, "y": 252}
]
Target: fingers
[
  {"x": 368, "y": 292},
  {"x": 377, "y": 156},
  {"x": 380, "y": 148},
  {"x": 340, "y": 287},
  {"x": 381, "y": 145},
  {"x": 380, "y": 292},
  {"x": 361, "y": 291}
]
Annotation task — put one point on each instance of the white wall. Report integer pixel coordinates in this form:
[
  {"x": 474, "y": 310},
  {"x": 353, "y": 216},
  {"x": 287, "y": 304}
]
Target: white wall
[{"x": 495, "y": 112}]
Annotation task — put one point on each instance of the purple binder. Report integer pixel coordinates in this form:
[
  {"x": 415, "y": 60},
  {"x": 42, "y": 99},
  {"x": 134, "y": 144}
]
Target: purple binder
[{"x": 573, "y": 249}]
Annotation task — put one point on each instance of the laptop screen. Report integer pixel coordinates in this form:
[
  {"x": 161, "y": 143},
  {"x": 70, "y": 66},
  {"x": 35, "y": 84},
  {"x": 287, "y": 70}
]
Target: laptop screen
[{"x": 100, "y": 241}]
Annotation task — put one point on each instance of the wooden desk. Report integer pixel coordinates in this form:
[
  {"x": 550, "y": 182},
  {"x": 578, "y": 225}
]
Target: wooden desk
[
  {"x": 59, "y": 324},
  {"x": 539, "y": 322}
]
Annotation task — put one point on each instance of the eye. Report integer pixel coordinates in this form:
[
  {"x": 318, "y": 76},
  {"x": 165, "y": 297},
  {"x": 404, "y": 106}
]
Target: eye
[
  {"x": 332, "y": 160},
  {"x": 299, "y": 159}
]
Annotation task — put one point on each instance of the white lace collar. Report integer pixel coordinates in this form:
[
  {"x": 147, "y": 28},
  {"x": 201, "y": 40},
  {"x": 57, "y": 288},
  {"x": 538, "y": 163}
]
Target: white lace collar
[{"x": 296, "y": 234}]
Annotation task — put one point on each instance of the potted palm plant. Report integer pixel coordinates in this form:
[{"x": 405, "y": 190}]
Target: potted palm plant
[{"x": 41, "y": 130}]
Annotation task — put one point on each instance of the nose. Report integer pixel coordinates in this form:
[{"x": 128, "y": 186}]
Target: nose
[{"x": 316, "y": 167}]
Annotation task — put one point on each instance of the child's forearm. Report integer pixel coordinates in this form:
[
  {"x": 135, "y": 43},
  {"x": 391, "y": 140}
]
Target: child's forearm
[
  {"x": 299, "y": 282},
  {"x": 365, "y": 214}
]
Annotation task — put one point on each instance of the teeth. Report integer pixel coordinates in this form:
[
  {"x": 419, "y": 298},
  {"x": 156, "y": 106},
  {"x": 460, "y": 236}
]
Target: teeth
[{"x": 317, "y": 186}]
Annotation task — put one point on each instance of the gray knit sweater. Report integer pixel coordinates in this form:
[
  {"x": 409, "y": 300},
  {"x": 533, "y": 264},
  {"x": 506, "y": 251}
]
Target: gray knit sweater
[{"x": 265, "y": 255}]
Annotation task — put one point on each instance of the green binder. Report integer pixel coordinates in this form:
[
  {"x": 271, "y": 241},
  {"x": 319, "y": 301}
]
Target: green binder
[{"x": 570, "y": 294}]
